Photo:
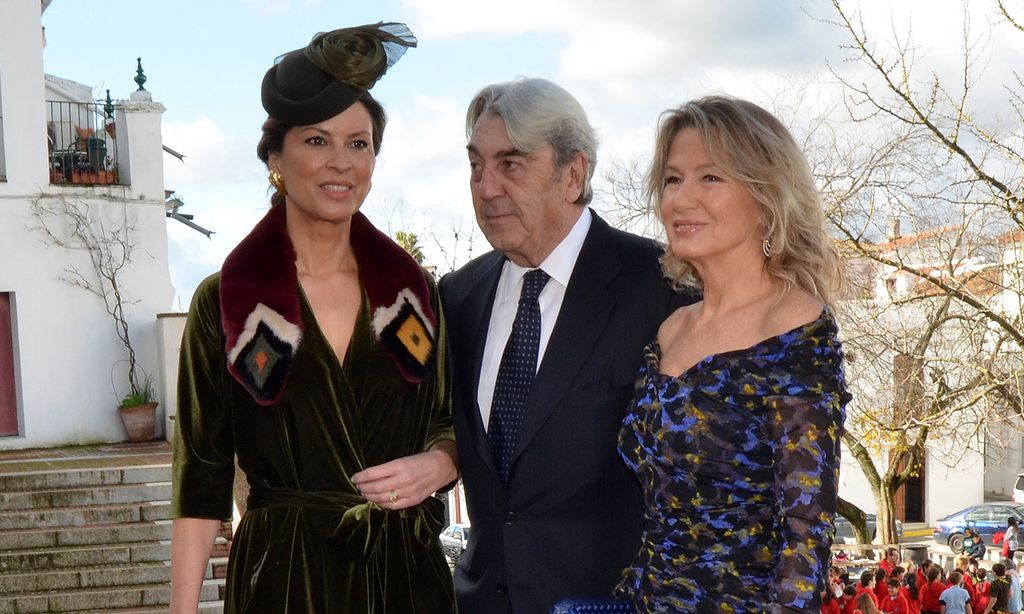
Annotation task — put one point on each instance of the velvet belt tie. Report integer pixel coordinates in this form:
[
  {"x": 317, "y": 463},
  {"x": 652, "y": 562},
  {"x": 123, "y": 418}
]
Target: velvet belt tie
[{"x": 361, "y": 524}]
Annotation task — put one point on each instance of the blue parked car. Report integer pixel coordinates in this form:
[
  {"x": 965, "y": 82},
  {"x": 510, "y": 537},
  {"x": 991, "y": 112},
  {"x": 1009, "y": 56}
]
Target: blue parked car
[
  {"x": 844, "y": 529},
  {"x": 986, "y": 519}
]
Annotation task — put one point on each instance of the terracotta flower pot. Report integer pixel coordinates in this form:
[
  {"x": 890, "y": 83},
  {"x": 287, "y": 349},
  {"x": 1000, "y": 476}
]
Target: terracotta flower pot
[{"x": 139, "y": 421}]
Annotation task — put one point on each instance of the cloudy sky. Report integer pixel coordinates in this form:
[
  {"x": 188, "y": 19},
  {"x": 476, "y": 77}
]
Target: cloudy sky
[{"x": 626, "y": 60}]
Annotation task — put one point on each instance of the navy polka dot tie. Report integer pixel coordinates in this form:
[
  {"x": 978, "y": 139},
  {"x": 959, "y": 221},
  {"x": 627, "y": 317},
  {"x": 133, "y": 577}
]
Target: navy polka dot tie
[{"x": 516, "y": 373}]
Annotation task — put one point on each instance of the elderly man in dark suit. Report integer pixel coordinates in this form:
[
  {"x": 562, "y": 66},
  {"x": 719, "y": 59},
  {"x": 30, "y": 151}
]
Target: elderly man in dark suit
[{"x": 546, "y": 334}]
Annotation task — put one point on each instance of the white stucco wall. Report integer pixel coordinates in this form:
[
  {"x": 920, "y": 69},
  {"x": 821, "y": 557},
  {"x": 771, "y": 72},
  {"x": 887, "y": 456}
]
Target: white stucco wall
[
  {"x": 70, "y": 363},
  {"x": 170, "y": 328},
  {"x": 853, "y": 486},
  {"x": 3, "y": 154},
  {"x": 1005, "y": 459},
  {"x": 21, "y": 76},
  {"x": 947, "y": 489},
  {"x": 953, "y": 481}
]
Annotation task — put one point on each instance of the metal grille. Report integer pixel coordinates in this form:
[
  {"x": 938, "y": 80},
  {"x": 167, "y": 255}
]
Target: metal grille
[{"x": 81, "y": 143}]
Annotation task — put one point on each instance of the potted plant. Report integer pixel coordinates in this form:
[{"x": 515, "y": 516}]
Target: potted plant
[{"x": 138, "y": 412}]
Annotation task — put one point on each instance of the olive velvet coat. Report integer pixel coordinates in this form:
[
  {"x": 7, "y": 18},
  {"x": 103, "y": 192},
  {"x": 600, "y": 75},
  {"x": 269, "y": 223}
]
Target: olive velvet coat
[{"x": 302, "y": 423}]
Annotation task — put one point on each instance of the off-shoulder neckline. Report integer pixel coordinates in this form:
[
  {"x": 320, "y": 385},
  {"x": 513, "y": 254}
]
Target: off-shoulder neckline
[{"x": 655, "y": 347}]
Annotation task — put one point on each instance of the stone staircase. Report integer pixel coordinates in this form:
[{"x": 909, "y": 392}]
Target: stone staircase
[{"x": 86, "y": 529}]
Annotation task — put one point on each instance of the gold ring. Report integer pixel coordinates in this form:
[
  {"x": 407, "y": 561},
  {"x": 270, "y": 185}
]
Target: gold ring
[{"x": 393, "y": 496}]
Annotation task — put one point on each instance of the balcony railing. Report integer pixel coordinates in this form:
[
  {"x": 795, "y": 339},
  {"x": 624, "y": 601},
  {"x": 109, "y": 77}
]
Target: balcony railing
[{"x": 81, "y": 143}]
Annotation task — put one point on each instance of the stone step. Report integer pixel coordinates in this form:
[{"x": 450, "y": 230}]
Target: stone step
[
  {"x": 98, "y": 576},
  {"x": 85, "y": 515},
  {"x": 52, "y": 537},
  {"x": 81, "y": 477},
  {"x": 86, "y": 577},
  {"x": 84, "y": 556},
  {"x": 205, "y": 607},
  {"x": 92, "y": 495},
  {"x": 99, "y": 554},
  {"x": 141, "y": 598},
  {"x": 87, "y": 530}
]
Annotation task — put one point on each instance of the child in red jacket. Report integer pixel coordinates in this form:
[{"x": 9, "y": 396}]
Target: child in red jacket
[
  {"x": 881, "y": 588},
  {"x": 982, "y": 588},
  {"x": 910, "y": 591},
  {"x": 867, "y": 585},
  {"x": 894, "y": 602},
  {"x": 829, "y": 604},
  {"x": 931, "y": 591},
  {"x": 849, "y": 600}
]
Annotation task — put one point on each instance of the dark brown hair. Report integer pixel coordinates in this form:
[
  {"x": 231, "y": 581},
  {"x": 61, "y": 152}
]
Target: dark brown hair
[
  {"x": 272, "y": 139},
  {"x": 911, "y": 581}
]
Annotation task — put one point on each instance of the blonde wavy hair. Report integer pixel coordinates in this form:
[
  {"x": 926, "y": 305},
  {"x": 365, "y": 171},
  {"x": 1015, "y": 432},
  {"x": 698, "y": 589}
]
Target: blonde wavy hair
[{"x": 751, "y": 145}]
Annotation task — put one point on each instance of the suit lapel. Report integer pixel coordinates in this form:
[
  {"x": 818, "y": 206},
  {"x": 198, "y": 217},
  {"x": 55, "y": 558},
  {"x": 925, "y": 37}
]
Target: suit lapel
[
  {"x": 585, "y": 309},
  {"x": 477, "y": 311}
]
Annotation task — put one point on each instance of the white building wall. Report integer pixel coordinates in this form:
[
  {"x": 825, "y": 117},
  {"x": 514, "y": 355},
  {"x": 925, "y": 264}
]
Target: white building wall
[
  {"x": 171, "y": 330},
  {"x": 71, "y": 369},
  {"x": 21, "y": 77},
  {"x": 947, "y": 489},
  {"x": 853, "y": 486},
  {"x": 952, "y": 484},
  {"x": 3, "y": 155},
  {"x": 1004, "y": 452}
]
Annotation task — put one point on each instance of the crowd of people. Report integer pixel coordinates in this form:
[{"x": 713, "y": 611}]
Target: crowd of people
[{"x": 896, "y": 587}]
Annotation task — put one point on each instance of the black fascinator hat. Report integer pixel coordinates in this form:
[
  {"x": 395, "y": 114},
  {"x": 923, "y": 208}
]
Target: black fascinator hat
[{"x": 309, "y": 85}]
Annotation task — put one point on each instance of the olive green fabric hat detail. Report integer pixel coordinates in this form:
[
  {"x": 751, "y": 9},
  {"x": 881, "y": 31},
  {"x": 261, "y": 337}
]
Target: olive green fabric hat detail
[{"x": 315, "y": 83}]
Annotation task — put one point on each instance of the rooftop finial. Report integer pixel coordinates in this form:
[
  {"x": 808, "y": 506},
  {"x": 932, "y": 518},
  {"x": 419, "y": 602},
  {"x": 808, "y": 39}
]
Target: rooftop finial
[
  {"x": 108, "y": 107},
  {"x": 140, "y": 77}
]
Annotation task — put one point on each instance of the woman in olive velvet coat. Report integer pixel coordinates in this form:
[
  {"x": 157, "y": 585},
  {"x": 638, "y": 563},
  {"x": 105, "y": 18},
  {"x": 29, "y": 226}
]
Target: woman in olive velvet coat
[{"x": 317, "y": 356}]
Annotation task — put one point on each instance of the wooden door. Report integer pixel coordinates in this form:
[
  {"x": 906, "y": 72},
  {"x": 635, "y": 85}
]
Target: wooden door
[
  {"x": 8, "y": 394},
  {"x": 910, "y": 498}
]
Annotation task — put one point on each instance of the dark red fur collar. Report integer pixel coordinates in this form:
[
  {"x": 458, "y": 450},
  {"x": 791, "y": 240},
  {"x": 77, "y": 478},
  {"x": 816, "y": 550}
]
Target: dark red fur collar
[{"x": 261, "y": 316}]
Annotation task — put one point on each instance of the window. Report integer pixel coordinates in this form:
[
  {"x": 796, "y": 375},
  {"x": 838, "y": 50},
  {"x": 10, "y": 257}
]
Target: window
[{"x": 981, "y": 515}]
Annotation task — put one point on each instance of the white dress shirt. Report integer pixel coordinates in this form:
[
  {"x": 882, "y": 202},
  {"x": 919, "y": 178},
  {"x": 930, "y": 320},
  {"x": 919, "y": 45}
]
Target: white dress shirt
[{"x": 558, "y": 265}]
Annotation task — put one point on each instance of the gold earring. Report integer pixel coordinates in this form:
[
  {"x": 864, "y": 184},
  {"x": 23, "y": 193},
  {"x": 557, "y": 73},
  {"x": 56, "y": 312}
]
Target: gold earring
[
  {"x": 766, "y": 247},
  {"x": 277, "y": 181}
]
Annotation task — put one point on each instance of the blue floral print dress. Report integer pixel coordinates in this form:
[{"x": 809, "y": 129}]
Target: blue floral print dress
[{"x": 739, "y": 462}]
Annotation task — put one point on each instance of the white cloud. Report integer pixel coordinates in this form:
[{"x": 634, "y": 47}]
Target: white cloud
[
  {"x": 211, "y": 155},
  {"x": 626, "y": 60},
  {"x": 229, "y": 209},
  {"x": 276, "y": 8},
  {"x": 421, "y": 183},
  {"x": 445, "y": 19}
]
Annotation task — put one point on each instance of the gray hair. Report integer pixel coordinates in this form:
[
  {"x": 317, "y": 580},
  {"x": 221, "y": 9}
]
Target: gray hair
[{"x": 536, "y": 111}]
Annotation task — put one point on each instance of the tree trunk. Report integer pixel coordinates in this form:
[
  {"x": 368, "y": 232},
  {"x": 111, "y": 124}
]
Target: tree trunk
[
  {"x": 857, "y": 518},
  {"x": 885, "y": 503}
]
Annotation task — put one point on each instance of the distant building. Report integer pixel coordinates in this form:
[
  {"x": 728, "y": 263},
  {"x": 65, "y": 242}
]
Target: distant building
[
  {"x": 958, "y": 469},
  {"x": 62, "y": 367}
]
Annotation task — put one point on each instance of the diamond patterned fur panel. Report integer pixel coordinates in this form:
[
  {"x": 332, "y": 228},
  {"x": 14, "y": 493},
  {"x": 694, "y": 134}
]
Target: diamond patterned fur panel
[
  {"x": 392, "y": 278},
  {"x": 407, "y": 334},
  {"x": 259, "y": 284},
  {"x": 263, "y": 354},
  {"x": 261, "y": 314},
  {"x": 86, "y": 529}
]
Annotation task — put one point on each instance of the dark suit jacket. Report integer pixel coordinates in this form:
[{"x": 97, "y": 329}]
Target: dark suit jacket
[{"x": 570, "y": 518}]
